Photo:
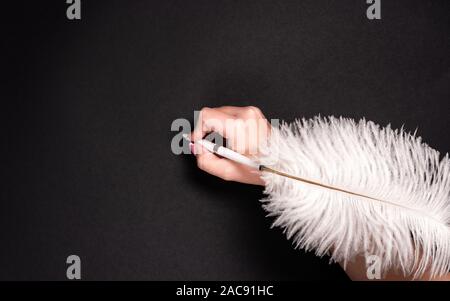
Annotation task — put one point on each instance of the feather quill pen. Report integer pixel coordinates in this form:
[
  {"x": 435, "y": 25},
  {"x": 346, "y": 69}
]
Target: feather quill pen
[{"x": 399, "y": 205}]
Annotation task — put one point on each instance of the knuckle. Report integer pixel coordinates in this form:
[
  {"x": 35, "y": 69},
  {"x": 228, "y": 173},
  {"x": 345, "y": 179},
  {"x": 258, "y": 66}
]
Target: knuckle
[
  {"x": 252, "y": 110},
  {"x": 205, "y": 110}
]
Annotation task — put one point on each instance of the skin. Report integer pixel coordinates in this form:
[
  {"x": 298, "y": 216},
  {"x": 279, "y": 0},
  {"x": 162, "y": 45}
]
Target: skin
[
  {"x": 229, "y": 122},
  {"x": 215, "y": 120}
]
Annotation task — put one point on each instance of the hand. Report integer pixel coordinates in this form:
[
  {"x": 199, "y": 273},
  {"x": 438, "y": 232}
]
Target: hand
[
  {"x": 244, "y": 128},
  {"x": 235, "y": 124}
]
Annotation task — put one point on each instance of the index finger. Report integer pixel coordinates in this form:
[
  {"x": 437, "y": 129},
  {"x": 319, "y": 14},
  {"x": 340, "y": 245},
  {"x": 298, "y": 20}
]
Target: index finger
[{"x": 211, "y": 120}]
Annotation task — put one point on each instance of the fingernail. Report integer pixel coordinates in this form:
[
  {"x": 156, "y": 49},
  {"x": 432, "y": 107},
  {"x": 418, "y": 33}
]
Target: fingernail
[{"x": 191, "y": 146}]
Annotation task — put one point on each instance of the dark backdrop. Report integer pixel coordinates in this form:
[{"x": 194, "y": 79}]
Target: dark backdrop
[{"x": 87, "y": 107}]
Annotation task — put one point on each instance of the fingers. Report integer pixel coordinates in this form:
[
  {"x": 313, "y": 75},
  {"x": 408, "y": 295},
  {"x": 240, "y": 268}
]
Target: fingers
[
  {"x": 242, "y": 112},
  {"x": 226, "y": 169},
  {"x": 214, "y": 165},
  {"x": 242, "y": 128},
  {"x": 211, "y": 120},
  {"x": 231, "y": 110},
  {"x": 215, "y": 120}
]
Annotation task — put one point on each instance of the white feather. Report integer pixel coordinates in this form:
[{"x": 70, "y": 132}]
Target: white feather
[{"x": 409, "y": 232}]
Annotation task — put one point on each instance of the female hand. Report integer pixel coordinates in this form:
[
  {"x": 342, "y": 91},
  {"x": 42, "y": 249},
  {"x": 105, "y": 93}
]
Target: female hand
[{"x": 244, "y": 128}]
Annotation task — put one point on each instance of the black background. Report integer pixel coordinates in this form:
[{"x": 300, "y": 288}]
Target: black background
[{"x": 87, "y": 107}]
